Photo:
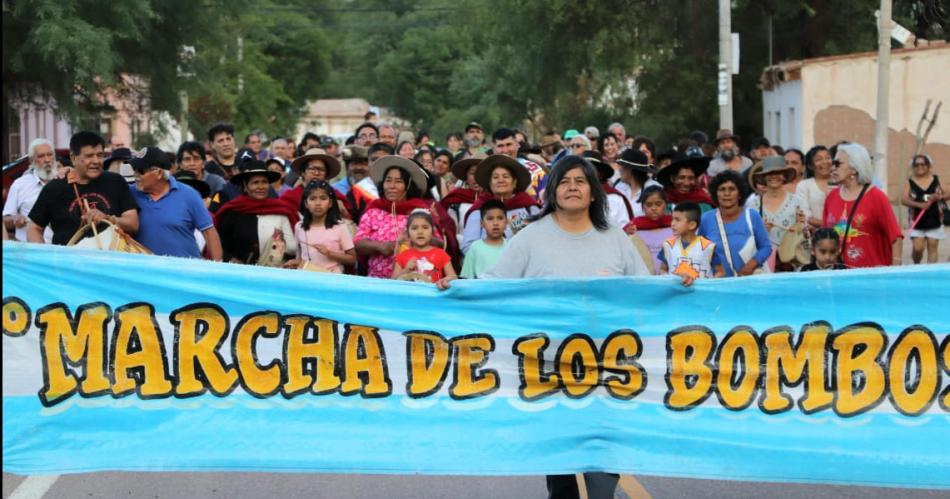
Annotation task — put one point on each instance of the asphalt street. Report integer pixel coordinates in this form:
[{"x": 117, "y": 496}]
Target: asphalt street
[{"x": 273, "y": 485}]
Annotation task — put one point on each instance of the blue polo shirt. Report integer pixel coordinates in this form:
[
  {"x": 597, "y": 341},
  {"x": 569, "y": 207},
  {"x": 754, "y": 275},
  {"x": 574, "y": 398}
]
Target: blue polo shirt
[{"x": 167, "y": 225}]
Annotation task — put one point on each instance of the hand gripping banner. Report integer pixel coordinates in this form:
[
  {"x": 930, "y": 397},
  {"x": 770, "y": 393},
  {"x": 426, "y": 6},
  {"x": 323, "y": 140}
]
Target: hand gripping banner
[{"x": 116, "y": 361}]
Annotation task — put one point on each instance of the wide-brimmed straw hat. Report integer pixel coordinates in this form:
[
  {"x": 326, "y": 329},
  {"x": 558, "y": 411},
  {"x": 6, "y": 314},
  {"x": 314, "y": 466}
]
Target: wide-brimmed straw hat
[
  {"x": 775, "y": 164},
  {"x": 460, "y": 167},
  {"x": 333, "y": 164},
  {"x": 253, "y": 167},
  {"x": 418, "y": 176},
  {"x": 488, "y": 165},
  {"x": 698, "y": 164}
]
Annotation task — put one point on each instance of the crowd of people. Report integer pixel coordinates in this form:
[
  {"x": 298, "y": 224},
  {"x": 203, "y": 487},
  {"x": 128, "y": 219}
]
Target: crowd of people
[{"x": 390, "y": 203}]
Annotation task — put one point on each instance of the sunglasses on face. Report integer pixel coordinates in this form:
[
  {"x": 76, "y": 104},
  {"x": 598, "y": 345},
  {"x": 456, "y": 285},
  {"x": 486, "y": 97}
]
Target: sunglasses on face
[{"x": 836, "y": 163}]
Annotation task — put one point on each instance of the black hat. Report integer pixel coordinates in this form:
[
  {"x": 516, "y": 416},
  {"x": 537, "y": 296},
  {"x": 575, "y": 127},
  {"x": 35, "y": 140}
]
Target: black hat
[
  {"x": 149, "y": 157},
  {"x": 694, "y": 161},
  {"x": 635, "y": 160},
  {"x": 121, "y": 153},
  {"x": 252, "y": 167},
  {"x": 190, "y": 180},
  {"x": 761, "y": 142},
  {"x": 604, "y": 171}
]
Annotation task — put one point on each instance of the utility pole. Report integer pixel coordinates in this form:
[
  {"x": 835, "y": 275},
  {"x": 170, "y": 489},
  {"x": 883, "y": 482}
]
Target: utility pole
[
  {"x": 881, "y": 126},
  {"x": 725, "y": 58},
  {"x": 183, "y": 119}
]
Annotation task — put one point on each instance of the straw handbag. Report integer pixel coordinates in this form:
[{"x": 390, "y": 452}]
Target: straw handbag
[
  {"x": 794, "y": 247},
  {"x": 112, "y": 239}
]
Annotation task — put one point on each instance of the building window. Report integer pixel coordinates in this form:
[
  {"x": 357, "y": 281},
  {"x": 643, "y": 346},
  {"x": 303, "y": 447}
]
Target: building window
[
  {"x": 13, "y": 136},
  {"x": 778, "y": 127},
  {"x": 792, "y": 129}
]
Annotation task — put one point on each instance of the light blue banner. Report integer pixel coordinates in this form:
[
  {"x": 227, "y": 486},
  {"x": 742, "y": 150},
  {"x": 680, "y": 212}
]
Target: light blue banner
[{"x": 110, "y": 362}]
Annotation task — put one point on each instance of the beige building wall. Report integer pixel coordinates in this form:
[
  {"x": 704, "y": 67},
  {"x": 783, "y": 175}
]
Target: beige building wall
[{"x": 840, "y": 103}]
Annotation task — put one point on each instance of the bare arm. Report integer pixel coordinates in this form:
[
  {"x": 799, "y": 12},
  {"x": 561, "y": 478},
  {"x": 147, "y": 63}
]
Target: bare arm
[
  {"x": 34, "y": 233},
  {"x": 367, "y": 247},
  {"x": 213, "y": 243},
  {"x": 129, "y": 221},
  {"x": 906, "y": 200},
  {"x": 450, "y": 276}
]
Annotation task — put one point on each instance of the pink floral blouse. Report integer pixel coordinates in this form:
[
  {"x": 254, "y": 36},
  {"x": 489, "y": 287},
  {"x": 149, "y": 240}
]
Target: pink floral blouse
[{"x": 378, "y": 225}]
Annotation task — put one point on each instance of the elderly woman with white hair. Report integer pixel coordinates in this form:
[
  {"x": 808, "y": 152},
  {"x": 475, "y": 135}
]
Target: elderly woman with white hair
[{"x": 860, "y": 213}]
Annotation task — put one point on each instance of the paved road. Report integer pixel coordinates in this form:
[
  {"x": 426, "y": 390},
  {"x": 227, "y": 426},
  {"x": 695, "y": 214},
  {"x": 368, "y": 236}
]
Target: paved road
[{"x": 312, "y": 486}]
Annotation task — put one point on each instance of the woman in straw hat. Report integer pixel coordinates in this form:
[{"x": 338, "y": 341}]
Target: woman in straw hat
[
  {"x": 315, "y": 164},
  {"x": 779, "y": 209},
  {"x": 401, "y": 182},
  {"x": 506, "y": 180},
  {"x": 252, "y": 225}
]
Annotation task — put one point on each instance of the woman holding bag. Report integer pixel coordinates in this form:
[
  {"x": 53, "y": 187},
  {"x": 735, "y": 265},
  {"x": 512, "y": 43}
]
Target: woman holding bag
[
  {"x": 742, "y": 242},
  {"x": 860, "y": 213}
]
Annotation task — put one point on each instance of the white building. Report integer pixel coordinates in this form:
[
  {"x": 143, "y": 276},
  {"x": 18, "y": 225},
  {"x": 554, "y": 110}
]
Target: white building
[{"x": 829, "y": 99}]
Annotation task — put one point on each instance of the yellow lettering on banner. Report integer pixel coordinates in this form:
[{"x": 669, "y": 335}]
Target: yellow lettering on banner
[
  {"x": 198, "y": 361},
  {"x": 311, "y": 365},
  {"x": 618, "y": 354},
  {"x": 259, "y": 382},
  {"x": 859, "y": 374},
  {"x": 689, "y": 373},
  {"x": 471, "y": 353},
  {"x": 739, "y": 370},
  {"x": 16, "y": 316},
  {"x": 945, "y": 361},
  {"x": 785, "y": 364},
  {"x": 577, "y": 365},
  {"x": 79, "y": 345},
  {"x": 912, "y": 394},
  {"x": 136, "y": 329},
  {"x": 427, "y": 359},
  {"x": 364, "y": 363},
  {"x": 535, "y": 384}
]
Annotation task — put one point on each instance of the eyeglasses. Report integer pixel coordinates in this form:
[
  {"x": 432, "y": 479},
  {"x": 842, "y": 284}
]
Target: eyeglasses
[
  {"x": 836, "y": 163},
  {"x": 367, "y": 136},
  {"x": 142, "y": 170}
]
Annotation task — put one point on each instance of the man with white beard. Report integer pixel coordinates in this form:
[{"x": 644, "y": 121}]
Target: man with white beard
[{"x": 26, "y": 189}]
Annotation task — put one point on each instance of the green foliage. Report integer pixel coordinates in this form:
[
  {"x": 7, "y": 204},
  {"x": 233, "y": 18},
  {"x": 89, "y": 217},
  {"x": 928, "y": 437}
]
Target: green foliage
[{"x": 438, "y": 64}]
